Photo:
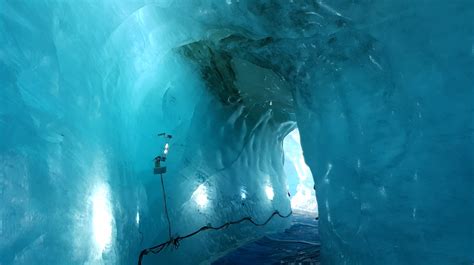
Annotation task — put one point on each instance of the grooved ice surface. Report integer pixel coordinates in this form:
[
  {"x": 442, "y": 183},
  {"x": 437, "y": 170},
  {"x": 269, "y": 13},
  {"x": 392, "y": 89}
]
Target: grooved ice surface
[
  {"x": 381, "y": 90},
  {"x": 85, "y": 89}
]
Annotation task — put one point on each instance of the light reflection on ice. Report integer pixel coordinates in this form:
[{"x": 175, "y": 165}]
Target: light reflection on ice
[
  {"x": 243, "y": 193},
  {"x": 101, "y": 217},
  {"x": 200, "y": 196},
  {"x": 269, "y": 192}
]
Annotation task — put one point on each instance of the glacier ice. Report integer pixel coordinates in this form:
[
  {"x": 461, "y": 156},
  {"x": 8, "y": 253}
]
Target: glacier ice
[
  {"x": 381, "y": 92},
  {"x": 80, "y": 109}
]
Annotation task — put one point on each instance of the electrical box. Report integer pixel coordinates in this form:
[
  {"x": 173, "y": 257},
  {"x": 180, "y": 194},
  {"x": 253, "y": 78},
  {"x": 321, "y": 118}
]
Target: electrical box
[{"x": 159, "y": 170}]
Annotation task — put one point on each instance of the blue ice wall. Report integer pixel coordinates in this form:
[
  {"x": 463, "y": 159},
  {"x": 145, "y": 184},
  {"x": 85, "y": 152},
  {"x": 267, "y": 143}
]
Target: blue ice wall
[
  {"x": 85, "y": 88},
  {"x": 387, "y": 122},
  {"x": 383, "y": 96}
]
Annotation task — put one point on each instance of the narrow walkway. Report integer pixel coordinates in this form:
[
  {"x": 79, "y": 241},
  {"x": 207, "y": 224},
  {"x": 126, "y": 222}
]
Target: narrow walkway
[{"x": 299, "y": 244}]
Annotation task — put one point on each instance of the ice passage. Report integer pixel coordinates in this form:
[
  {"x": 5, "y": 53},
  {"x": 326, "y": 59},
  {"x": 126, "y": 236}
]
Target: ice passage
[
  {"x": 381, "y": 92},
  {"x": 300, "y": 181}
]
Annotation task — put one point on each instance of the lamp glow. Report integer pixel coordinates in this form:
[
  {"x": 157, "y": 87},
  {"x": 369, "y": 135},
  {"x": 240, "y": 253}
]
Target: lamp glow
[
  {"x": 166, "y": 149},
  {"x": 269, "y": 192},
  {"x": 101, "y": 218},
  {"x": 243, "y": 193},
  {"x": 200, "y": 196}
]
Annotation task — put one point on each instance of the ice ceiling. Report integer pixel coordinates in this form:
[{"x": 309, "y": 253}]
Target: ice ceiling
[{"x": 381, "y": 92}]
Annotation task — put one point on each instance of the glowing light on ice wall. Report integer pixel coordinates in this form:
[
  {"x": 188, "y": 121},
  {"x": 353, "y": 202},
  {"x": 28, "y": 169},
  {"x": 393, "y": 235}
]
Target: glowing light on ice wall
[
  {"x": 243, "y": 193},
  {"x": 299, "y": 175},
  {"x": 137, "y": 218},
  {"x": 269, "y": 192},
  {"x": 200, "y": 196},
  {"x": 102, "y": 217}
]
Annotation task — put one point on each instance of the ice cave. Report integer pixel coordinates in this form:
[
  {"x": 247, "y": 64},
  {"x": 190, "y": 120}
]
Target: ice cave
[{"x": 231, "y": 132}]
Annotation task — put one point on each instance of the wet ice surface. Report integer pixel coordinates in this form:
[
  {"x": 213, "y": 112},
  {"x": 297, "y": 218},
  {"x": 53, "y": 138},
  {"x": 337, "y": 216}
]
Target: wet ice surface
[
  {"x": 381, "y": 92},
  {"x": 299, "y": 244}
]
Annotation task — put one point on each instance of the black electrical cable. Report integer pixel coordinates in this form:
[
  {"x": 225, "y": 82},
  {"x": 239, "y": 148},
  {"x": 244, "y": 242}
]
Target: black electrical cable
[
  {"x": 166, "y": 206},
  {"x": 175, "y": 241}
]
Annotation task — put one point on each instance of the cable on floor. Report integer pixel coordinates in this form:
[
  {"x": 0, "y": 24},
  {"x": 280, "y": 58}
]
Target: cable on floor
[{"x": 175, "y": 241}]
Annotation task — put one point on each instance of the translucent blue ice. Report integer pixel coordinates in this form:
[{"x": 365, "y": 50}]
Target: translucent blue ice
[{"x": 381, "y": 91}]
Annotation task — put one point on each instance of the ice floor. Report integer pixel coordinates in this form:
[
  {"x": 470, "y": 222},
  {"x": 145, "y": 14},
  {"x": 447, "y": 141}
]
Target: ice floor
[{"x": 299, "y": 244}]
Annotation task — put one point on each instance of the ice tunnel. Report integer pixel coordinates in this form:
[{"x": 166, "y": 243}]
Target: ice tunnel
[{"x": 380, "y": 91}]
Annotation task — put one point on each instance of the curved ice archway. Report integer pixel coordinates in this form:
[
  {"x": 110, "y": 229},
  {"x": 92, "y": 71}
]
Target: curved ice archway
[{"x": 381, "y": 95}]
